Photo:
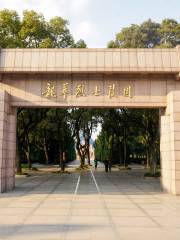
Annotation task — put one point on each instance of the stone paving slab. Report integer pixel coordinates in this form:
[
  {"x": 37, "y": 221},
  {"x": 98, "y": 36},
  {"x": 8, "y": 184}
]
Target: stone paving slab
[{"x": 90, "y": 205}]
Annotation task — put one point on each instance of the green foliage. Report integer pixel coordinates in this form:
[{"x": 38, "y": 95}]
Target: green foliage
[
  {"x": 43, "y": 134},
  {"x": 138, "y": 130},
  {"x": 129, "y": 134},
  {"x": 10, "y": 26},
  {"x": 149, "y": 34},
  {"x": 169, "y": 33},
  {"x": 101, "y": 147},
  {"x": 59, "y": 33},
  {"x": 83, "y": 122},
  {"x": 80, "y": 44},
  {"x": 33, "y": 31}
]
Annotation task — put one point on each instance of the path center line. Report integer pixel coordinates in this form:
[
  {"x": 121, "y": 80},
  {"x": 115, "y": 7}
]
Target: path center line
[
  {"x": 116, "y": 233},
  {"x": 69, "y": 215},
  {"x": 77, "y": 185},
  {"x": 95, "y": 181}
]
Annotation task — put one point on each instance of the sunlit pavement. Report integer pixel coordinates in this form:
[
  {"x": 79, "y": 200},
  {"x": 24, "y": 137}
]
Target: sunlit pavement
[{"x": 91, "y": 205}]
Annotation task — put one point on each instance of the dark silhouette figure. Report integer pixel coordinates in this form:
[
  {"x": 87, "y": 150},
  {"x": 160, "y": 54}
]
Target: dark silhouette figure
[
  {"x": 110, "y": 165},
  {"x": 106, "y": 164},
  {"x": 95, "y": 163}
]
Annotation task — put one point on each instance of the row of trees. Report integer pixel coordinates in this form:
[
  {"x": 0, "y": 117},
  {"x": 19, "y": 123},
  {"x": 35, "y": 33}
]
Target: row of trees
[
  {"x": 129, "y": 132},
  {"x": 33, "y": 31},
  {"x": 44, "y": 136},
  {"x": 51, "y": 135}
]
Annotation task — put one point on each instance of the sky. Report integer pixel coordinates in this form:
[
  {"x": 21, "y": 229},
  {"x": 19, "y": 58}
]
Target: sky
[{"x": 97, "y": 21}]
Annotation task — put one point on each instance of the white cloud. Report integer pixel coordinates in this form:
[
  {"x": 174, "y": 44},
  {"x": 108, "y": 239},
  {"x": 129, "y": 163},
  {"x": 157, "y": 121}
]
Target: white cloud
[
  {"x": 87, "y": 31},
  {"x": 79, "y": 7},
  {"x": 82, "y": 30},
  {"x": 49, "y": 8},
  {"x": 10, "y": 4},
  {"x": 76, "y": 11}
]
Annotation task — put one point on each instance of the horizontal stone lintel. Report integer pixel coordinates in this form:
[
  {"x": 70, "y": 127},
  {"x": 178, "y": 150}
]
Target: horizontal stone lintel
[
  {"x": 92, "y": 70},
  {"x": 163, "y": 60}
]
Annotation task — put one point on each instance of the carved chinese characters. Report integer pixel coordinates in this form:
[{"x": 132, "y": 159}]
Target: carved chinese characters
[{"x": 51, "y": 92}]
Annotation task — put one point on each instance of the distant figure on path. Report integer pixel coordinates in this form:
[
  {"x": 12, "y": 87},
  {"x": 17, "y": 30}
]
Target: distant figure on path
[
  {"x": 110, "y": 165},
  {"x": 95, "y": 163},
  {"x": 106, "y": 164}
]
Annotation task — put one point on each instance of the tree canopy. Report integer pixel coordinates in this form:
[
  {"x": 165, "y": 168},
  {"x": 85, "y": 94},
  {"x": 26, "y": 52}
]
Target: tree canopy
[
  {"x": 128, "y": 134},
  {"x": 149, "y": 34},
  {"x": 33, "y": 31}
]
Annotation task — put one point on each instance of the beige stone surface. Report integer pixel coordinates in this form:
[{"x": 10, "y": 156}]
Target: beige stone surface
[
  {"x": 52, "y": 77},
  {"x": 153, "y": 75},
  {"x": 7, "y": 143},
  {"x": 125, "y": 206},
  {"x": 170, "y": 129},
  {"x": 128, "y": 60},
  {"x": 146, "y": 90}
]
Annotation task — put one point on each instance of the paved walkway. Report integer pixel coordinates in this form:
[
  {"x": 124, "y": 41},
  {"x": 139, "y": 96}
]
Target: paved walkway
[{"x": 91, "y": 205}]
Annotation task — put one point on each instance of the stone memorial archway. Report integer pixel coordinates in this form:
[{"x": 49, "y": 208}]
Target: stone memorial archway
[{"x": 141, "y": 78}]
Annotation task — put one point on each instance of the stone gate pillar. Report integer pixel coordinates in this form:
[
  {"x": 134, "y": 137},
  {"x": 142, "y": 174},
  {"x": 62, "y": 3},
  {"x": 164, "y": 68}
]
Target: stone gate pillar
[
  {"x": 11, "y": 149},
  {"x": 170, "y": 144},
  {"x": 7, "y": 143}
]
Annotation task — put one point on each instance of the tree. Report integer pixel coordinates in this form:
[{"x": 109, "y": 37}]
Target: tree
[
  {"x": 128, "y": 132},
  {"x": 149, "y": 135},
  {"x": 80, "y": 44},
  {"x": 59, "y": 33},
  {"x": 27, "y": 120},
  {"x": 10, "y": 26},
  {"x": 83, "y": 121},
  {"x": 33, "y": 31},
  {"x": 149, "y": 34},
  {"x": 45, "y": 136},
  {"x": 101, "y": 146},
  {"x": 170, "y": 33}
]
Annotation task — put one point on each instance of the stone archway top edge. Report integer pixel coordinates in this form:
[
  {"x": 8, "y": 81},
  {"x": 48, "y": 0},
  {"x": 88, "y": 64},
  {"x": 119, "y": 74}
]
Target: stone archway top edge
[{"x": 90, "y": 60}]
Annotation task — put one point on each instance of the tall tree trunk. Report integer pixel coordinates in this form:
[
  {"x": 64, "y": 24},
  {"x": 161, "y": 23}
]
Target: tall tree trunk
[
  {"x": 112, "y": 149},
  {"x": 125, "y": 148},
  {"x": 80, "y": 152},
  {"x": 88, "y": 155},
  {"x": 125, "y": 153},
  {"x": 28, "y": 159},
  {"x": 61, "y": 146},
  {"x": 81, "y": 158},
  {"x": 27, "y": 151},
  {"x": 119, "y": 148},
  {"x": 87, "y": 148},
  {"x": 18, "y": 163},
  {"x": 148, "y": 158},
  {"x": 45, "y": 151},
  {"x": 61, "y": 159},
  {"x": 64, "y": 160}
]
